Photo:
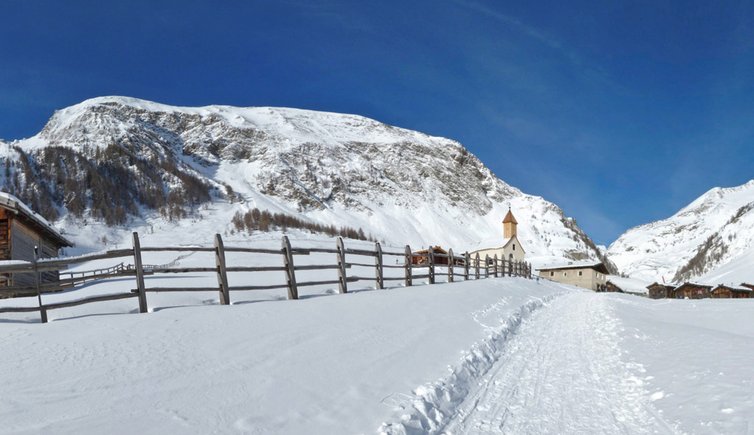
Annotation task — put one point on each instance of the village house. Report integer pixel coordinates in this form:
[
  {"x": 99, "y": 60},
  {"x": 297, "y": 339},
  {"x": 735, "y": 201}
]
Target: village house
[
  {"x": 590, "y": 275},
  {"x": 724, "y": 291},
  {"x": 690, "y": 290},
  {"x": 22, "y": 232},
  {"x": 511, "y": 248},
  {"x": 660, "y": 291}
]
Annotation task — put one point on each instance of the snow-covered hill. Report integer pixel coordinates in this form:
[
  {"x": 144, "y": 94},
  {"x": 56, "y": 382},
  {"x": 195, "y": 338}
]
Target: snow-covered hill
[
  {"x": 131, "y": 163},
  {"x": 715, "y": 230}
]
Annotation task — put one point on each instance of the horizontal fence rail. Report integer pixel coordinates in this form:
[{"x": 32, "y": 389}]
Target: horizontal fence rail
[{"x": 416, "y": 266}]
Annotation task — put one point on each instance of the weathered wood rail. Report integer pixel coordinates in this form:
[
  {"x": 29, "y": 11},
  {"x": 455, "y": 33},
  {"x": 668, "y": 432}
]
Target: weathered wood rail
[{"x": 456, "y": 267}]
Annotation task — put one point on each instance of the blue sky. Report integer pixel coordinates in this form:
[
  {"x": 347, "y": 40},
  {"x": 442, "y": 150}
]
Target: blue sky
[{"x": 619, "y": 112}]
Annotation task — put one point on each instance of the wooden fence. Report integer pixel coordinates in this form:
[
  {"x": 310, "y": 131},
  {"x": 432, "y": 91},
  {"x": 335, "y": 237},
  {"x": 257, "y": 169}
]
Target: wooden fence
[{"x": 461, "y": 267}]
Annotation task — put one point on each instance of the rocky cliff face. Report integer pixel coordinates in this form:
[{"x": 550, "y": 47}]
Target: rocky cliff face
[
  {"x": 117, "y": 160},
  {"x": 714, "y": 229}
]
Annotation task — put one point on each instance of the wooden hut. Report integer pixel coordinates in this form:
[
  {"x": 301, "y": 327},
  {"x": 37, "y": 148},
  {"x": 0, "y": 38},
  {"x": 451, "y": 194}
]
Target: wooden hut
[
  {"x": 660, "y": 291},
  {"x": 612, "y": 287},
  {"x": 690, "y": 290},
  {"x": 421, "y": 257},
  {"x": 24, "y": 234},
  {"x": 725, "y": 291}
]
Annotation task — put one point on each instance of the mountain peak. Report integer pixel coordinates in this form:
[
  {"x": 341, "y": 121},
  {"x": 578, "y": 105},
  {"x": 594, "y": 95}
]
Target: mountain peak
[
  {"x": 336, "y": 169},
  {"x": 712, "y": 229}
]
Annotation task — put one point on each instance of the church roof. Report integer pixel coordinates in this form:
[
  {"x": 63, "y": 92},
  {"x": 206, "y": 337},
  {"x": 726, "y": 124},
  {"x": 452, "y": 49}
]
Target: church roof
[{"x": 509, "y": 218}]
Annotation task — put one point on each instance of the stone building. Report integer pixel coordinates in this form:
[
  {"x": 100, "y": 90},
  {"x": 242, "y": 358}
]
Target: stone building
[{"x": 590, "y": 275}]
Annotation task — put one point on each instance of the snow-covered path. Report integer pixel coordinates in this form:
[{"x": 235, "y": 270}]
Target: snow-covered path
[{"x": 562, "y": 373}]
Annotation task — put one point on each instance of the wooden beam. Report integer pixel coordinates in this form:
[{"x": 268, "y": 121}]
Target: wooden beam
[
  {"x": 378, "y": 266},
  {"x": 476, "y": 265},
  {"x": 408, "y": 255},
  {"x": 42, "y": 310},
  {"x": 466, "y": 260},
  {"x": 222, "y": 273},
  {"x": 451, "y": 265},
  {"x": 431, "y": 260},
  {"x": 342, "y": 277},
  {"x": 139, "y": 274},
  {"x": 290, "y": 270}
]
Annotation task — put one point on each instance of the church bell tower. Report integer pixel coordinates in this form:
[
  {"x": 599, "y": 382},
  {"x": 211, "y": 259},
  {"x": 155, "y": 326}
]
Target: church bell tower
[{"x": 509, "y": 225}]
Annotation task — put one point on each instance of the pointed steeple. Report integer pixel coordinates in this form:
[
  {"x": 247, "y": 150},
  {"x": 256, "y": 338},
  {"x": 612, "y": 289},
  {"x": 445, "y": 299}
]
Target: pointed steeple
[{"x": 509, "y": 225}]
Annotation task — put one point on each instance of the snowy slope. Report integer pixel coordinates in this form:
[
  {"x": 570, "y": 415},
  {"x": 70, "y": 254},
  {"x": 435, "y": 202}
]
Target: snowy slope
[
  {"x": 712, "y": 231},
  {"x": 398, "y": 185},
  {"x": 320, "y": 365},
  {"x": 371, "y": 361}
]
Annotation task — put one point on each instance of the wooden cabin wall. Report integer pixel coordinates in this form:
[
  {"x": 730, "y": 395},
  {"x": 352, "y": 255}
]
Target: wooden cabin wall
[
  {"x": 4, "y": 236},
  {"x": 22, "y": 242}
]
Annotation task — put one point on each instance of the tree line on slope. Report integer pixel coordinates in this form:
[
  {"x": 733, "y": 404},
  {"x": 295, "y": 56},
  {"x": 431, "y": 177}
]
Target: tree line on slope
[
  {"x": 111, "y": 183},
  {"x": 263, "y": 220}
]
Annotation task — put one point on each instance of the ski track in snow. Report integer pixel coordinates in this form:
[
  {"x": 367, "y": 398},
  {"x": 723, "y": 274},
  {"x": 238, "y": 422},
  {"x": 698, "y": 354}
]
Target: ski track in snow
[{"x": 560, "y": 372}]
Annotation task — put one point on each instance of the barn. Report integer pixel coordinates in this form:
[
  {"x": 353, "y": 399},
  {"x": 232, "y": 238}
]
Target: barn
[
  {"x": 690, "y": 290},
  {"x": 660, "y": 291},
  {"x": 725, "y": 291},
  {"x": 21, "y": 231},
  {"x": 421, "y": 257}
]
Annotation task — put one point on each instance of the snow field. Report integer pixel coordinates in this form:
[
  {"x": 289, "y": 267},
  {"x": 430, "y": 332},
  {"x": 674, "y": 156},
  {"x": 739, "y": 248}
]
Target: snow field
[
  {"x": 501, "y": 355},
  {"x": 336, "y": 364},
  {"x": 698, "y": 359}
]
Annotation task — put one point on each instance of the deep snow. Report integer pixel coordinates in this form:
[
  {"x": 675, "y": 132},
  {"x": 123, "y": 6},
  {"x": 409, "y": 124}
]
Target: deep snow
[
  {"x": 504, "y": 355},
  {"x": 332, "y": 364}
]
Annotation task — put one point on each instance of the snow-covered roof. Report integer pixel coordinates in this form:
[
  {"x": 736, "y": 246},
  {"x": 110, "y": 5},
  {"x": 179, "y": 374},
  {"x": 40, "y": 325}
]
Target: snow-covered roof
[
  {"x": 694, "y": 284},
  {"x": 629, "y": 285},
  {"x": 10, "y": 202},
  {"x": 577, "y": 265},
  {"x": 735, "y": 288},
  {"x": 482, "y": 246}
]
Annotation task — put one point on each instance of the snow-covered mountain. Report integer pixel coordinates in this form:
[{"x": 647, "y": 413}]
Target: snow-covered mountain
[
  {"x": 131, "y": 163},
  {"x": 715, "y": 230}
]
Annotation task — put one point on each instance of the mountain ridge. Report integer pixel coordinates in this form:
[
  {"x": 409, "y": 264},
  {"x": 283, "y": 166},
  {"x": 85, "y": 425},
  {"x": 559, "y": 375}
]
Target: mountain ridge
[
  {"x": 398, "y": 184},
  {"x": 707, "y": 233}
]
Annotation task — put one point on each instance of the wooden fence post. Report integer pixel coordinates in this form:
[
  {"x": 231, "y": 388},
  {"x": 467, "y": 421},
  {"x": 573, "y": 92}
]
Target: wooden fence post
[
  {"x": 409, "y": 259},
  {"x": 451, "y": 265},
  {"x": 494, "y": 267},
  {"x": 290, "y": 271},
  {"x": 378, "y": 266},
  {"x": 476, "y": 266},
  {"x": 42, "y": 309},
  {"x": 466, "y": 259},
  {"x": 510, "y": 267},
  {"x": 222, "y": 275},
  {"x": 140, "y": 287},
  {"x": 431, "y": 260},
  {"x": 343, "y": 285},
  {"x": 486, "y": 265}
]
